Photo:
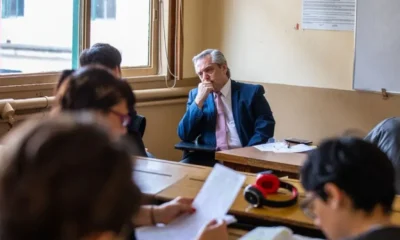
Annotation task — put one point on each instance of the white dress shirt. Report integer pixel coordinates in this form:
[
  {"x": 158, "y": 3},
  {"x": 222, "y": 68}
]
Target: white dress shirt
[{"x": 226, "y": 97}]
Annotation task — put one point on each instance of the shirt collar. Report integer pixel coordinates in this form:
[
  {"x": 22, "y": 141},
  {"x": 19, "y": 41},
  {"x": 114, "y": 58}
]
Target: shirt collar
[{"x": 226, "y": 89}]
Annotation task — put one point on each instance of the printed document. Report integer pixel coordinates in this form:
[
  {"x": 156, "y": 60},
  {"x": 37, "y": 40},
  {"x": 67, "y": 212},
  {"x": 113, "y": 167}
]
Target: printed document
[{"x": 212, "y": 202}]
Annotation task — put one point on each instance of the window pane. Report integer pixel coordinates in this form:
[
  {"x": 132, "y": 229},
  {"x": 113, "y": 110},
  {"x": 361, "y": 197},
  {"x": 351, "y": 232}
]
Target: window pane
[
  {"x": 37, "y": 37},
  {"x": 126, "y": 26},
  {"x": 99, "y": 6}
]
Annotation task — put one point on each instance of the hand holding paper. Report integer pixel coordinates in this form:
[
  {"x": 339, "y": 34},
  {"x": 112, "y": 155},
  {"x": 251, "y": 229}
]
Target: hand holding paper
[{"x": 212, "y": 202}]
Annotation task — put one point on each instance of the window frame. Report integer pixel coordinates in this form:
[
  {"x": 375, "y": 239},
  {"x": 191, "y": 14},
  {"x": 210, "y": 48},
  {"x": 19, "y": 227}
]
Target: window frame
[{"x": 25, "y": 80}]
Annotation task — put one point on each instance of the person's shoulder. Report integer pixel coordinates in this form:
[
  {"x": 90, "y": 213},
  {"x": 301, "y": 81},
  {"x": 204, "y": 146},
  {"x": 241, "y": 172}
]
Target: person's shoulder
[
  {"x": 249, "y": 87},
  {"x": 392, "y": 123}
]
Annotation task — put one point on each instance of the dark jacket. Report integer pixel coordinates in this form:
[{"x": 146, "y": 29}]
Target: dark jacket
[
  {"x": 386, "y": 135},
  {"x": 251, "y": 112}
]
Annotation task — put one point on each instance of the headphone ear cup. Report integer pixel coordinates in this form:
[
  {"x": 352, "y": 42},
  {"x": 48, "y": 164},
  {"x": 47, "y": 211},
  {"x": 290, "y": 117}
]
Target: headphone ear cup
[
  {"x": 253, "y": 195},
  {"x": 268, "y": 183}
]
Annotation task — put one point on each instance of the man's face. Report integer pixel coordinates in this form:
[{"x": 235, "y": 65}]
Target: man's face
[
  {"x": 332, "y": 216},
  {"x": 211, "y": 72}
]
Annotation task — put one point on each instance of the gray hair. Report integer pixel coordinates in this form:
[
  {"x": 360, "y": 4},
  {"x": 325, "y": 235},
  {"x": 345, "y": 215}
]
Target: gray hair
[{"x": 217, "y": 57}]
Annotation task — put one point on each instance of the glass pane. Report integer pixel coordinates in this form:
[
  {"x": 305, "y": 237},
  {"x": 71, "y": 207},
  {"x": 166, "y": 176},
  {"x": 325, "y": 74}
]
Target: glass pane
[
  {"x": 125, "y": 24},
  {"x": 36, "y": 36}
]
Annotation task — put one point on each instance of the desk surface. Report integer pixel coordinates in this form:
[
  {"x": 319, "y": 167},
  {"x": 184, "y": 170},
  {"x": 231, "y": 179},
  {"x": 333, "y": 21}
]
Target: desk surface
[
  {"x": 188, "y": 179},
  {"x": 285, "y": 162}
]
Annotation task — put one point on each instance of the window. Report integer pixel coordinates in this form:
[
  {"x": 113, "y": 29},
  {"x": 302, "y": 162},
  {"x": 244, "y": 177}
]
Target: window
[
  {"x": 31, "y": 43},
  {"x": 12, "y": 8},
  {"x": 128, "y": 38},
  {"x": 103, "y": 9},
  {"x": 39, "y": 43}
]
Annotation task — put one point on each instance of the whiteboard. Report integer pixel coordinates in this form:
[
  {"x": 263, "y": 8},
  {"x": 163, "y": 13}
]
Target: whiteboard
[{"x": 377, "y": 46}]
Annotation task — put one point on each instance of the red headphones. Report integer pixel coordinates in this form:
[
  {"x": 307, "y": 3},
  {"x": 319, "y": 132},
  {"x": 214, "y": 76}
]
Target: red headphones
[{"x": 268, "y": 183}]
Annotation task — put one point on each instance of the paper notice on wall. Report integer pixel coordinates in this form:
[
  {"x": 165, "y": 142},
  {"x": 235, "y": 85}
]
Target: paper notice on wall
[{"x": 329, "y": 14}]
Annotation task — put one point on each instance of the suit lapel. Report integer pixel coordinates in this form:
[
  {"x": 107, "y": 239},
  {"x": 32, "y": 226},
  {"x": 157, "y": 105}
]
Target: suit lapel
[
  {"x": 235, "y": 92},
  {"x": 211, "y": 105}
]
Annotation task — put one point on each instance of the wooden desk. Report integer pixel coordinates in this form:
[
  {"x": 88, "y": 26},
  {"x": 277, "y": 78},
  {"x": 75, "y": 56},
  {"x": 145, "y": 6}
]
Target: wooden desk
[
  {"x": 154, "y": 175},
  {"x": 190, "y": 186},
  {"x": 251, "y": 157},
  {"x": 192, "y": 178}
]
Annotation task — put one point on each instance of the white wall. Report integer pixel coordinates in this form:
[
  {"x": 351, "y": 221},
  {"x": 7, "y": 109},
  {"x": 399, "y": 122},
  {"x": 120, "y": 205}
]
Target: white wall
[{"x": 261, "y": 44}]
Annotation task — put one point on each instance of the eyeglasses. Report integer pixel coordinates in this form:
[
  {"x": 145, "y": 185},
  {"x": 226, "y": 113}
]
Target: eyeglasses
[
  {"x": 124, "y": 118},
  {"x": 307, "y": 206}
]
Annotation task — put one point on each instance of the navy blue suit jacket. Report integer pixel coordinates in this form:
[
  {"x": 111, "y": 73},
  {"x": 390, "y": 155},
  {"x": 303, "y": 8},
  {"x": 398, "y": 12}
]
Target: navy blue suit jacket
[{"x": 252, "y": 114}]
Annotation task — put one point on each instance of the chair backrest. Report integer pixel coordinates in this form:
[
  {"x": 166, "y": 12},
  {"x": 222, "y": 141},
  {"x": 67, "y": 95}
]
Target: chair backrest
[
  {"x": 138, "y": 124},
  {"x": 135, "y": 134}
]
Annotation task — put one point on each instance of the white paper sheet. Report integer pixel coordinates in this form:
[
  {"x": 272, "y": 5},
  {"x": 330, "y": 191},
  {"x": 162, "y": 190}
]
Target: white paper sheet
[
  {"x": 274, "y": 233},
  {"x": 282, "y": 147},
  {"x": 212, "y": 202},
  {"x": 329, "y": 14}
]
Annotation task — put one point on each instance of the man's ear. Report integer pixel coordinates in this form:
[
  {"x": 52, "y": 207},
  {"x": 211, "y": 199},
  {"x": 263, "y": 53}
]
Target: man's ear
[
  {"x": 224, "y": 68},
  {"x": 335, "y": 195}
]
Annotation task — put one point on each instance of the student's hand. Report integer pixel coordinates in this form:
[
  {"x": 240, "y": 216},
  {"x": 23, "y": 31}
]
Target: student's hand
[
  {"x": 203, "y": 90},
  {"x": 171, "y": 210},
  {"x": 214, "y": 231}
]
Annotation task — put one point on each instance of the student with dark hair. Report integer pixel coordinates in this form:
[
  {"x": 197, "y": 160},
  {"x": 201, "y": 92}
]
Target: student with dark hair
[
  {"x": 96, "y": 88},
  {"x": 104, "y": 54},
  {"x": 350, "y": 190},
  {"x": 110, "y": 57},
  {"x": 66, "y": 178}
]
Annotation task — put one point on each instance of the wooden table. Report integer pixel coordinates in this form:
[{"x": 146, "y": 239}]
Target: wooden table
[
  {"x": 250, "y": 159},
  {"x": 154, "y": 175},
  {"x": 190, "y": 179}
]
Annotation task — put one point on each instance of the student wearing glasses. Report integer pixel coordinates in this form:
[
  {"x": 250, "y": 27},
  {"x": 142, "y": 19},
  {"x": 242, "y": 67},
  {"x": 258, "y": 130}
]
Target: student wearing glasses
[
  {"x": 350, "y": 190},
  {"x": 108, "y": 56},
  {"x": 95, "y": 88}
]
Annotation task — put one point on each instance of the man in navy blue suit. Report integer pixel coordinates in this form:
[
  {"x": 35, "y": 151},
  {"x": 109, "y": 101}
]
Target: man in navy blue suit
[{"x": 223, "y": 113}]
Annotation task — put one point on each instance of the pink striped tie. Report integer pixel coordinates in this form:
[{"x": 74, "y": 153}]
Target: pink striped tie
[{"x": 220, "y": 130}]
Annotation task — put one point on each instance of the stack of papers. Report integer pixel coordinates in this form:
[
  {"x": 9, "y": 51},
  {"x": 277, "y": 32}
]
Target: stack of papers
[
  {"x": 283, "y": 147},
  {"x": 212, "y": 202}
]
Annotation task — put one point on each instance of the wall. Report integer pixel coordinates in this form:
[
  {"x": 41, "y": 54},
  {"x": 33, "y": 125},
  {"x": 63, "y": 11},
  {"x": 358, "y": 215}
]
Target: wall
[
  {"x": 307, "y": 74},
  {"x": 261, "y": 44},
  {"x": 193, "y": 30},
  {"x": 161, "y": 133},
  {"x": 316, "y": 113}
]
